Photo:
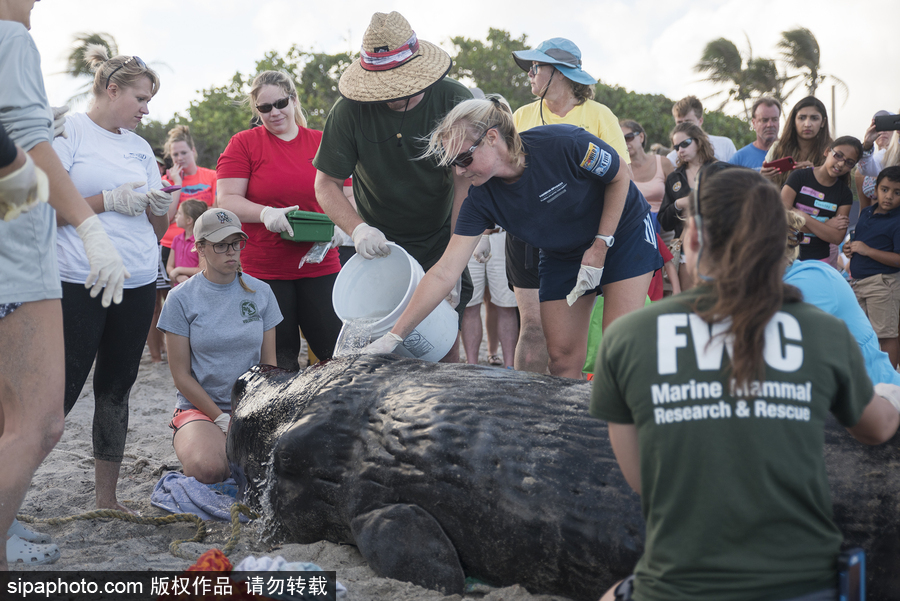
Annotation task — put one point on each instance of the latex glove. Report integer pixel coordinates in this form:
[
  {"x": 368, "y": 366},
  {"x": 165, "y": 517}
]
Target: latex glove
[
  {"x": 275, "y": 219},
  {"x": 159, "y": 202},
  {"x": 453, "y": 297},
  {"x": 22, "y": 189},
  {"x": 483, "y": 250},
  {"x": 125, "y": 200},
  {"x": 59, "y": 120},
  {"x": 107, "y": 270},
  {"x": 385, "y": 344},
  {"x": 369, "y": 242},
  {"x": 588, "y": 279},
  {"x": 223, "y": 421}
]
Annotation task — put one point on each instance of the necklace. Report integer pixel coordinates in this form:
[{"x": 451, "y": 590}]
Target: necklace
[{"x": 398, "y": 135}]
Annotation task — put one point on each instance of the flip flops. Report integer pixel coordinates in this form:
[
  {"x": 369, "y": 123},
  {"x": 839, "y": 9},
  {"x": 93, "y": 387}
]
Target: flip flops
[
  {"x": 27, "y": 535},
  {"x": 22, "y": 551},
  {"x": 494, "y": 360}
]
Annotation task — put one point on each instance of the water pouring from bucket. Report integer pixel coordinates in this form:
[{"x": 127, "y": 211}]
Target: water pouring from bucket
[{"x": 370, "y": 295}]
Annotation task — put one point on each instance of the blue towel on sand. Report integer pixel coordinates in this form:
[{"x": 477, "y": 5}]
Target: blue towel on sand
[{"x": 178, "y": 493}]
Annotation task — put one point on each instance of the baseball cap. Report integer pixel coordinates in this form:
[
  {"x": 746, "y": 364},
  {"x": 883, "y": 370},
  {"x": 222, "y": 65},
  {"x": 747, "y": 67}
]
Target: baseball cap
[{"x": 216, "y": 224}]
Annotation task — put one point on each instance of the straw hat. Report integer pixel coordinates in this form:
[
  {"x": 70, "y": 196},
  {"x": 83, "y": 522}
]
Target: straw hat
[{"x": 393, "y": 63}]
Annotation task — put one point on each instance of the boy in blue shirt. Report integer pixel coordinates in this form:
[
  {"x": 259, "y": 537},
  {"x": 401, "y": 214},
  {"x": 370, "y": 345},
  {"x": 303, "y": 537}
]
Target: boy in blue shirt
[{"x": 874, "y": 253}]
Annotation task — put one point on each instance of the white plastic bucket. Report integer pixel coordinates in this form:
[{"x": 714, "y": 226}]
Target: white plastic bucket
[{"x": 382, "y": 288}]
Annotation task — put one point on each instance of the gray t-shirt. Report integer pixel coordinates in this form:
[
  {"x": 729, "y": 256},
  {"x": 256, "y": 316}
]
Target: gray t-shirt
[{"x": 225, "y": 325}]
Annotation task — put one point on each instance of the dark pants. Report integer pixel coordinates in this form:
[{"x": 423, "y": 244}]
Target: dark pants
[
  {"x": 306, "y": 305},
  {"x": 115, "y": 336}
]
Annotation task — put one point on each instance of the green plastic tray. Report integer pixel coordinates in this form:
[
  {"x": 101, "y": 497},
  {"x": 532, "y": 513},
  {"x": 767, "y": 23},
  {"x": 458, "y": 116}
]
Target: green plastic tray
[{"x": 309, "y": 227}]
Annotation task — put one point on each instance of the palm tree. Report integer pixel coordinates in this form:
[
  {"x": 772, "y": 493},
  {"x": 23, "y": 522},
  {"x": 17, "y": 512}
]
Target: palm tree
[
  {"x": 800, "y": 50},
  {"x": 724, "y": 64},
  {"x": 75, "y": 65},
  {"x": 762, "y": 76}
]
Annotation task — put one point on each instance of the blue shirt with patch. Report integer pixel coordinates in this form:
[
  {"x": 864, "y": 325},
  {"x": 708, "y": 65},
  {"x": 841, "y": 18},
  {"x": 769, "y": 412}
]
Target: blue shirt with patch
[
  {"x": 880, "y": 231},
  {"x": 557, "y": 202}
]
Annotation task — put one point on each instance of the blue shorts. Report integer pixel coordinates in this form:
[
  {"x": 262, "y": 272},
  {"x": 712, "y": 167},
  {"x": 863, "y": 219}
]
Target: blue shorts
[{"x": 634, "y": 253}]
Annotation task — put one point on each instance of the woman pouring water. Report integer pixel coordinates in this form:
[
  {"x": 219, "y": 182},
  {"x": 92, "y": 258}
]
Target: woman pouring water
[{"x": 560, "y": 189}]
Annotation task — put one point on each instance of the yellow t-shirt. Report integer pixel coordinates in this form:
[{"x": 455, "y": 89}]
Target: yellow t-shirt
[{"x": 591, "y": 116}]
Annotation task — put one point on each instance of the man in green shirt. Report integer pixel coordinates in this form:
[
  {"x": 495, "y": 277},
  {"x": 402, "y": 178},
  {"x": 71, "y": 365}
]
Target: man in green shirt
[{"x": 392, "y": 98}]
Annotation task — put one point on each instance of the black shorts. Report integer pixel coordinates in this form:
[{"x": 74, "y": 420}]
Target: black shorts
[{"x": 522, "y": 262}]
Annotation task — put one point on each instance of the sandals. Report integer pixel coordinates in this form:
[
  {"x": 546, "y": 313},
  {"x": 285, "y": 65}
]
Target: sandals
[
  {"x": 19, "y": 550},
  {"x": 28, "y": 535},
  {"x": 494, "y": 360}
]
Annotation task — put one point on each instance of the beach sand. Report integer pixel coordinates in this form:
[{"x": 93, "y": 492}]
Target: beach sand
[{"x": 64, "y": 486}]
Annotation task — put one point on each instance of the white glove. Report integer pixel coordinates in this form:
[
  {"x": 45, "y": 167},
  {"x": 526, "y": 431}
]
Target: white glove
[
  {"x": 891, "y": 392},
  {"x": 125, "y": 200},
  {"x": 369, "y": 242},
  {"x": 159, "y": 202},
  {"x": 453, "y": 297},
  {"x": 107, "y": 269},
  {"x": 483, "y": 250},
  {"x": 59, "y": 120},
  {"x": 385, "y": 344},
  {"x": 22, "y": 189},
  {"x": 275, "y": 219},
  {"x": 588, "y": 279},
  {"x": 223, "y": 421},
  {"x": 340, "y": 238}
]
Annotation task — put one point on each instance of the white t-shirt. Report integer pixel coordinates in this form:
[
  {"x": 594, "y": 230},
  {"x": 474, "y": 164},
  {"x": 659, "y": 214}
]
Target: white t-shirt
[
  {"x": 99, "y": 160},
  {"x": 723, "y": 148}
]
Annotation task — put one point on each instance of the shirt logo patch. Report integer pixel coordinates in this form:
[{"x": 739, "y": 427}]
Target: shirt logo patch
[
  {"x": 596, "y": 160},
  {"x": 553, "y": 193},
  {"x": 136, "y": 155},
  {"x": 249, "y": 311},
  {"x": 811, "y": 192},
  {"x": 676, "y": 186}
]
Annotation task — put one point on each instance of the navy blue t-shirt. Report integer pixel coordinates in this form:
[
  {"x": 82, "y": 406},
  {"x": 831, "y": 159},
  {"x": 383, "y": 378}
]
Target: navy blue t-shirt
[
  {"x": 880, "y": 231},
  {"x": 557, "y": 203}
]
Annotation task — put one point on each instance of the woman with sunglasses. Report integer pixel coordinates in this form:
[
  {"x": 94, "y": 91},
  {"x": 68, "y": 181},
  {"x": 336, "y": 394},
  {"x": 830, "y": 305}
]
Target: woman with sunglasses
[
  {"x": 264, "y": 174},
  {"x": 718, "y": 422},
  {"x": 218, "y": 324},
  {"x": 116, "y": 172},
  {"x": 559, "y": 188},
  {"x": 805, "y": 138},
  {"x": 648, "y": 172},
  {"x": 564, "y": 93},
  {"x": 822, "y": 197},
  {"x": 693, "y": 151}
]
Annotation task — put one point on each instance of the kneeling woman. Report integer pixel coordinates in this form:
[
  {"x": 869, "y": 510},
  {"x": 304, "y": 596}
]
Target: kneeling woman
[
  {"x": 560, "y": 189},
  {"x": 218, "y": 324}
]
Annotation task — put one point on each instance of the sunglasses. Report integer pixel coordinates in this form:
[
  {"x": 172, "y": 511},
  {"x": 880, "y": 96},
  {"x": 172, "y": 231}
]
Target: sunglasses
[
  {"x": 222, "y": 247},
  {"x": 632, "y": 136},
  {"x": 684, "y": 144},
  {"x": 278, "y": 104},
  {"x": 464, "y": 159},
  {"x": 840, "y": 158},
  {"x": 534, "y": 68},
  {"x": 136, "y": 59}
]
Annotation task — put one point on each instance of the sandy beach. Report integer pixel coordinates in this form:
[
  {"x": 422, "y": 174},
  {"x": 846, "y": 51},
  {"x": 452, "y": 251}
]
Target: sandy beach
[{"x": 64, "y": 486}]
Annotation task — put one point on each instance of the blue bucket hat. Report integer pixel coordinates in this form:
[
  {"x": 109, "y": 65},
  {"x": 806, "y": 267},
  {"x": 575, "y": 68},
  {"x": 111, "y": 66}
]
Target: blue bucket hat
[{"x": 559, "y": 52}]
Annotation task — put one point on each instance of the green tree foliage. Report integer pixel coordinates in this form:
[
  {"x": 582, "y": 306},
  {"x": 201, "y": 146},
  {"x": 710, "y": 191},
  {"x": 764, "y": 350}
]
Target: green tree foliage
[
  {"x": 490, "y": 65},
  {"x": 800, "y": 50},
  {"x": 77, "y": 67}
]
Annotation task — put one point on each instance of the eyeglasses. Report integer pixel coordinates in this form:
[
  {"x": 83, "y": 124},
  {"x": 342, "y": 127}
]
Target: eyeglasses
[
  {"x": 136, "y": 59},
  {"x": 684, "y": 144},
  {"x": 222, "y": 247},
  {"x": 278, "y": 104},
  {"x": 632, "y": 136},
  {"x": 840, "y": 158},
  {"x": 464, "y": 159},
  {"x": 535, "y": 67}
]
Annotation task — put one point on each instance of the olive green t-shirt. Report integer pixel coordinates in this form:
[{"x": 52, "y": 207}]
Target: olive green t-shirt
[
  {"x": 734, "y": 489},
  {"x": 409, "y": 199}
]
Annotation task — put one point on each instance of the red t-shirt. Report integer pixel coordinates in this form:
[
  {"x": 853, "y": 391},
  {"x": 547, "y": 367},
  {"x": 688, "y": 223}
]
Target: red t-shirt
[
  {"x": 279, "y": 174},
  {"x": 656, "y": 284},
  {"x": 200, "y": 186}
]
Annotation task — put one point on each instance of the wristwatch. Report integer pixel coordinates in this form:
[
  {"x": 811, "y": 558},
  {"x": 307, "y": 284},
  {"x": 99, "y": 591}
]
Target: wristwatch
[{"x": 610, "y": 240}]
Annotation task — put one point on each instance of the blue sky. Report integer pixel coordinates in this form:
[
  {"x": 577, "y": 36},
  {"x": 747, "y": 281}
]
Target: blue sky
[{"x": 645, "y": 45}]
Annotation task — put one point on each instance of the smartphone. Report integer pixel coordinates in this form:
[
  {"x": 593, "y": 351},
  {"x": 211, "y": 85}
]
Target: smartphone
[
  {"x": 784, "y": 164},
  {"x": 170, "y": 189},
  {"x": 887, "y": 122},
  {"x": 852, "y": 575}
]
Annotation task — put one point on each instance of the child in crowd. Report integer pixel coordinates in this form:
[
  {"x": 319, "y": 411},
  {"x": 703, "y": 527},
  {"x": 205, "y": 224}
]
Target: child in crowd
[
  {"x": 822, "y": 194},
  {"x": 183, "y": 260},
  {"x": 874, "y": 252}
]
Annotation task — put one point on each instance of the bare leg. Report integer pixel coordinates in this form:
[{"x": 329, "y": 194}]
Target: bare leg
[
  {"x": 531, "y": 350},
  {"x": 490, "y": 323},
  {"x": 623, "y": 297},
  {"x": 32, "y": 377},
  {"x": 155, "y": 339},
  {"x": 106, "y": 476},
  {"x": 566, "y": 330},
  {"x": 200, "y": 447},
  {"x": 472, "y": 333},
  {"x": 452, "y": 355},
  {"x": 891, "y": 346},
  {"x": 507, "y": 331},
  {"x": 685, "y": 277}
]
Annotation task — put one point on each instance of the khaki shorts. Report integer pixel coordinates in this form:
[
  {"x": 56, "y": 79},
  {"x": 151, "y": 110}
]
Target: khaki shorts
[
  {"x": 493, "y": 275},
  {"x": 879, "y": 297}
]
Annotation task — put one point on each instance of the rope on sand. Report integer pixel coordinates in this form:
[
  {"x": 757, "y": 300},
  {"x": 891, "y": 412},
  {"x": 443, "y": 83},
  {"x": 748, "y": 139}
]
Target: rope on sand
[{"x": 175, "y": 546}]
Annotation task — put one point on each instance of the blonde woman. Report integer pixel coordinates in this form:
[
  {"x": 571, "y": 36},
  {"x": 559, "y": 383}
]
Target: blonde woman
[
  {"x": 116, "y": 172},
  {"x": 264, "y": 174}
]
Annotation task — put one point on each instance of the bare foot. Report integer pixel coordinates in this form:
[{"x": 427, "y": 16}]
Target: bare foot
[
  {"x": 156, "y": 359},
  {"x": 116, "y": 506}
]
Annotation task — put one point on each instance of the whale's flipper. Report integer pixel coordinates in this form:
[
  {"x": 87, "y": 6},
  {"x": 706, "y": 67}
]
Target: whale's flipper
[{"x": 406, "y": 543}]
